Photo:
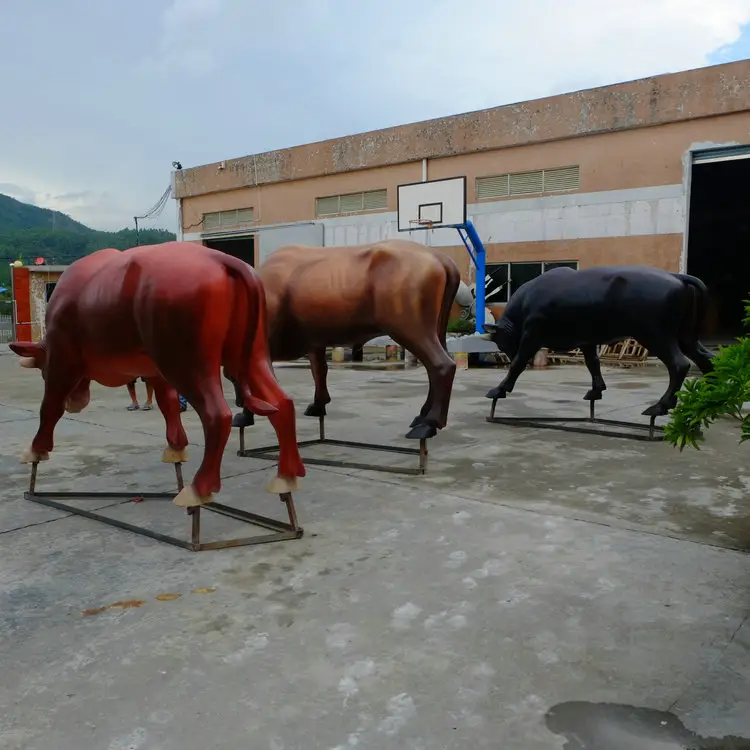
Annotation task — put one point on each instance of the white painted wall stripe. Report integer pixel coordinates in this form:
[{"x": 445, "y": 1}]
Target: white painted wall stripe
[{"x": 607, "y": 214}]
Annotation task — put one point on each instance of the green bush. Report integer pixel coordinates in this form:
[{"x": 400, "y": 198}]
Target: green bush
[{"x": 721, "y": 392}]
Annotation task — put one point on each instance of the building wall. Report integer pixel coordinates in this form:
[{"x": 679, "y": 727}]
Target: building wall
[
  {"x": 644, "y": 103},
  {"x": 631, "y": 206}
]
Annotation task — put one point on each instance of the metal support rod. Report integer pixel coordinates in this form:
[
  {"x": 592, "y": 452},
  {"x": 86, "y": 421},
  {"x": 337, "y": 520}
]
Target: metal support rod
[
  {"x": 281, "y": 530},
  {"x": 639, "y": 431},
  {"x": 270, "y": 453}
]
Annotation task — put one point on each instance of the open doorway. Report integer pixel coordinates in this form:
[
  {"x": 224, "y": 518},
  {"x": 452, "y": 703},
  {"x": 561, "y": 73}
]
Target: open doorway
[
  {"x": 719, "y": 242},
  {"x": 240, "y": 247}
]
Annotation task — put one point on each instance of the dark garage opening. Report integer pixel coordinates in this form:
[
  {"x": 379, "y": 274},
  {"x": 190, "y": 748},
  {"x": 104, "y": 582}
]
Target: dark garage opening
[
  {"x": 719, "y": 243},
  {"x": 240, "y": 247}
]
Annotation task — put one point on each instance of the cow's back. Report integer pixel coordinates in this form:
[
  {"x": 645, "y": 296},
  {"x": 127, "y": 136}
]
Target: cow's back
[
  {"x": 600, "y": 303},
  {"x": 341, "y": 293}
]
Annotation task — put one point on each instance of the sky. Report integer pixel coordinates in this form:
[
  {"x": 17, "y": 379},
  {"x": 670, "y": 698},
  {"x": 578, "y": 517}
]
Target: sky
[{"x": 100, "y": 96}]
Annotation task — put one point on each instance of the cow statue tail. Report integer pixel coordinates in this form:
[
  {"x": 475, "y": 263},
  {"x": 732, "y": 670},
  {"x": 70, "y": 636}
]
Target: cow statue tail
[
  {"x": 254, "y": 337},
  {"x": 700, "y": 301},
  {"x": 450, "y": 289}
]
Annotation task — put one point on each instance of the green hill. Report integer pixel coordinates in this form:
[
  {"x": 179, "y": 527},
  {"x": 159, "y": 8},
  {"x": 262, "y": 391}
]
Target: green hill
[
  {"x": 28, "y": 232},
  {"x": 17, "y": 215}
]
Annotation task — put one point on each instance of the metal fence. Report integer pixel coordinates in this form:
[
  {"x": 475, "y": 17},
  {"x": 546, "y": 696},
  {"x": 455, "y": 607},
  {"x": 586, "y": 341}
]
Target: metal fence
[{"x": 6, "y": 321}]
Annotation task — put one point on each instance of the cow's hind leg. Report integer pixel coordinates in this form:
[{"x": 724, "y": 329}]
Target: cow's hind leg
[
  {"x": 200, "y": 384},
  {"x": 60, "y": 382},
  {"x": 693, "y": 349},
  {"x": 441, "y": 370},
  {"x": 319, "y": 368},
  {"x": 424, "y": 411},
  {"x": 598, "y": 386},
  {"x": 678, "y": 366},
  {"x": 168, "y": 402},
  {"x": 245, "y": 418}
]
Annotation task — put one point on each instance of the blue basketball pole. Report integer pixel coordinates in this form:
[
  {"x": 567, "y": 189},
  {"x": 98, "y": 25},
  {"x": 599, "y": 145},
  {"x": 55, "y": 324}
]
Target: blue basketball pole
[{"x": 475, "y": 248}]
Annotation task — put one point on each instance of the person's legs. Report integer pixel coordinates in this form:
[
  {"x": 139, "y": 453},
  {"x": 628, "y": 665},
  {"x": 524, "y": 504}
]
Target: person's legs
[
  {"x": 133, "y": 397},
  {"x": 149, "y": 395}
]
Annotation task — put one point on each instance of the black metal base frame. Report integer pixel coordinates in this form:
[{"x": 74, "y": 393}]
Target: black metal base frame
[
  {"x": 281, "y": 531},
  {"x": 421, "y": 452},
  {"x": 650, "y": 432}
]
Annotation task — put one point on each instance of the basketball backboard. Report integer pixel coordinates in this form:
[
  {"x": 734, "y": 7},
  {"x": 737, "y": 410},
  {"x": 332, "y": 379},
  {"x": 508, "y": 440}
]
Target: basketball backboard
[{"x": 432, "y": 204}]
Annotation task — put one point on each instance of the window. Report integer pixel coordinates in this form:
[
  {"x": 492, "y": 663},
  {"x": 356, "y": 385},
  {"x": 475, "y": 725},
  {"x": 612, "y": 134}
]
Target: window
[
  {"x": 351, "y": 203},
  {"x": 234, "y": 218},
  {"x": 49, "y": 287},
  {"x": 503, "y": 279},
  {"x": 540, "y": 181}
]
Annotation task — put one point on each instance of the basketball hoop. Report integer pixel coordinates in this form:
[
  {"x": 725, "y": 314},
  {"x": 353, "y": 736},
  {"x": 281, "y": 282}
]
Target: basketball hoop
[{"x": 421, "y": 223}]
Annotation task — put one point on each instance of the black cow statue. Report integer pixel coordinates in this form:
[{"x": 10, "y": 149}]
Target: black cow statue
[{"x": 565, "y": 309}]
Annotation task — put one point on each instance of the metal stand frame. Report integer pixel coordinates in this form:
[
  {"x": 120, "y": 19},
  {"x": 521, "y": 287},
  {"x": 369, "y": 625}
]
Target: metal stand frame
[
  {"x": 650, "y": 432},
  {"x": 281, "y": 531},
  {"x": 421, "y": 452}
]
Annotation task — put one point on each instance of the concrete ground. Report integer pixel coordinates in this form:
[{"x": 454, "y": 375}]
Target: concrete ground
[{"x": 536, "y": 589}]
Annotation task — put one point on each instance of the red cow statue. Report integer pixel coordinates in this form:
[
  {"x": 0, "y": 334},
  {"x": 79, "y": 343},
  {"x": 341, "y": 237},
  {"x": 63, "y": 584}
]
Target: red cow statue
[
  {"x": 173, "y": 313},
  {"x": 337, "y": 296}
]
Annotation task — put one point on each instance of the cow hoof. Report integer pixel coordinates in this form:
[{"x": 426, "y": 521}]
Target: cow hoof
[
  {"x": 282, "y": 485},
  {"x": 422, "y": 431},
  {"x": 189, "y": 498},
  {"x": 242, "y": 419},
  {"x": 496, "y": 393},
  {"x": 593, "y": 395},
  {"x": 30, "y": 457},
  {"x": 657, "y": 410},
  {"x": 173, "y": 456},
  {"x": 315, "y": 410}
]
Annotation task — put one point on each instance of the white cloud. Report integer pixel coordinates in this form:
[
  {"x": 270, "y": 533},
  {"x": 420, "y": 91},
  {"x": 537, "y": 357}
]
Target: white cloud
[{"x": 202, "y": 80}]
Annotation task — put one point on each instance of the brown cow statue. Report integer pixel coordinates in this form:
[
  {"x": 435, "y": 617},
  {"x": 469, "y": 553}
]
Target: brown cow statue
[
  {"x": 173, "y": 313},
  {"x": 344, "y": 296}
]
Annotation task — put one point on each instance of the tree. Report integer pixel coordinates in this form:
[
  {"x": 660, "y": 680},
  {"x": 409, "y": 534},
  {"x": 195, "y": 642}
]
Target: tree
[{"x": 721, "y": 392}]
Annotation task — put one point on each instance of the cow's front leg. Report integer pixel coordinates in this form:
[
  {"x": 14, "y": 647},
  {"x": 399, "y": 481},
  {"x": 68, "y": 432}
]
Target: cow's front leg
[
  {"x": 319, "y": 368},
  {"x": 168, "y": 402},
  {"x": 598, "y": 386},
  {"x": 527, "y": 348},
  {"x": 59, "y": 384}
]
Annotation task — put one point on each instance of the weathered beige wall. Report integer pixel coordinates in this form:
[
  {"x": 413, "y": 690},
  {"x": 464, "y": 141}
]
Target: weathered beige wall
[
  {"x": 295, "y": 201},
  {"x": 609, "y": 161},
  {"x": 677, "y": 97}
]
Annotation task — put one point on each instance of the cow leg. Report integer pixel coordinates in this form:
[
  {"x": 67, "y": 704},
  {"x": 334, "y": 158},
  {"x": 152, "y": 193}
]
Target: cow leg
[
  {"x": 598, "y": 386},
  {"x": 60, "y": 382},
  {"x": 441, "y": 370},
  {"x": 527, "y": 348},
  {"x": 425, "y": 408},
  {"x": 168, "y": 402},
  {"x": 245, "y": 418},
  {"x": 265, "y": 387},
  {"x": 203, "y": 389},
  {"x": 678, "y": 366},
  {"x": 319, "y": 368},
  {"x": 699, "y": 354}
]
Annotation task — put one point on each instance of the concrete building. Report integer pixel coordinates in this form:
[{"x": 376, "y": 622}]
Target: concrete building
[{"x": 653, "y": 171}]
